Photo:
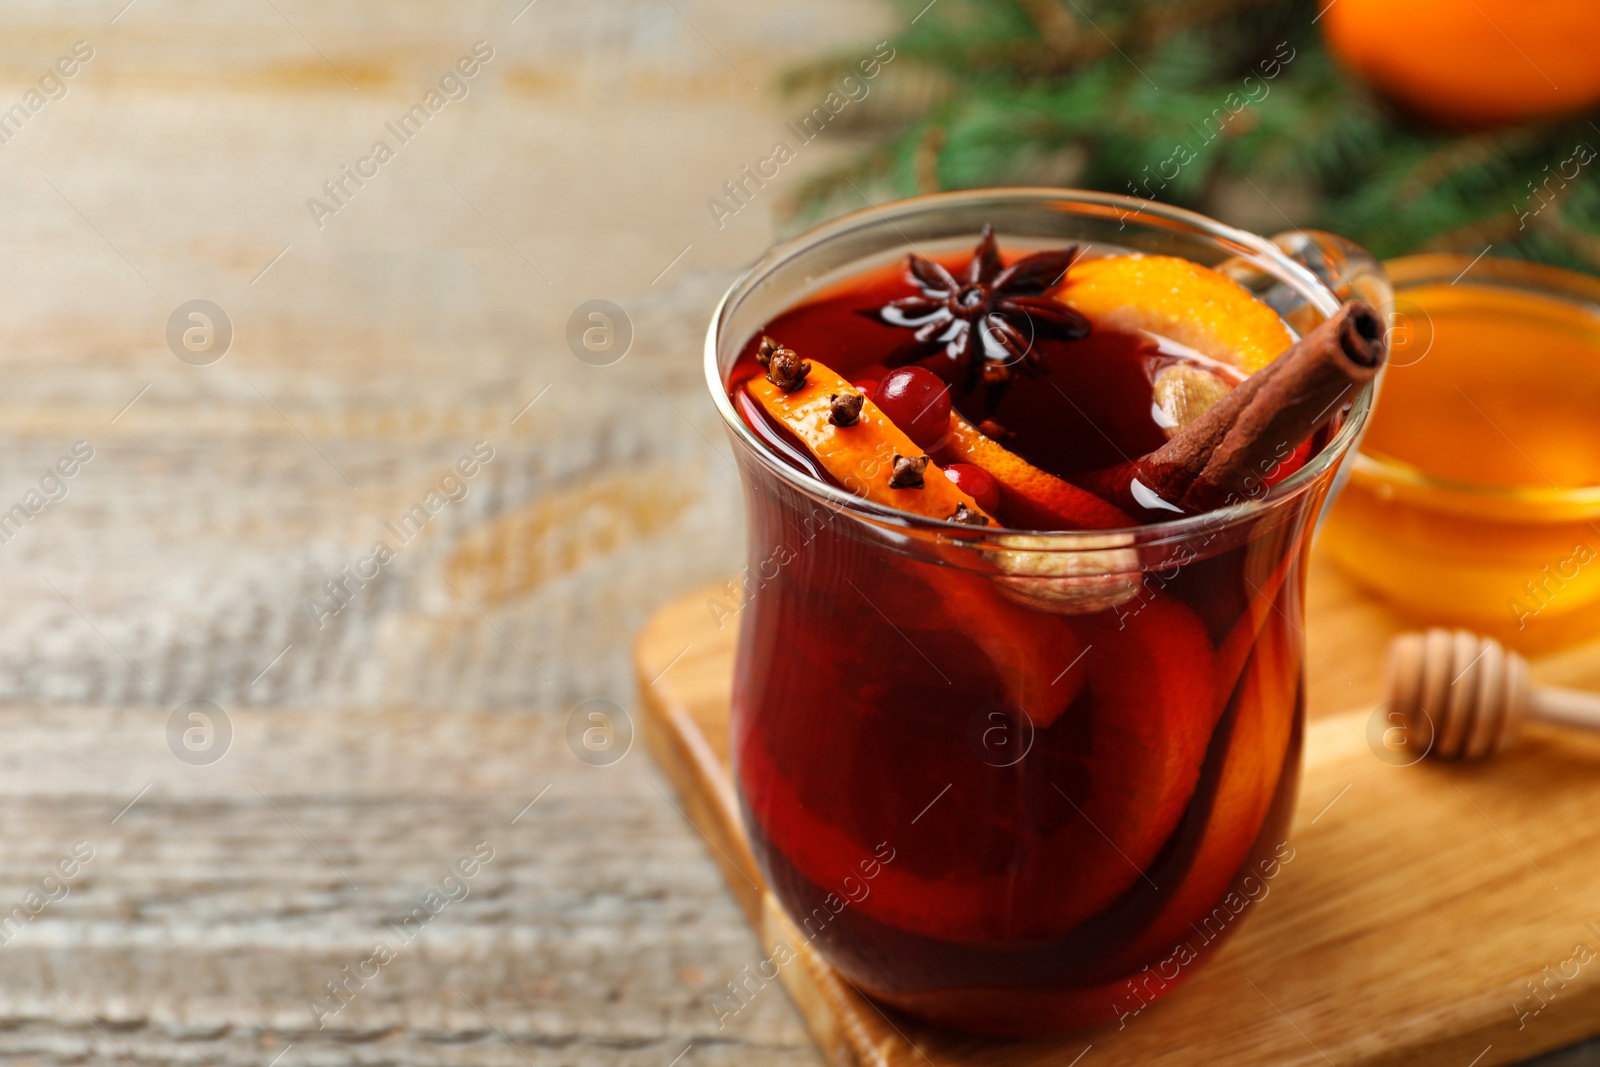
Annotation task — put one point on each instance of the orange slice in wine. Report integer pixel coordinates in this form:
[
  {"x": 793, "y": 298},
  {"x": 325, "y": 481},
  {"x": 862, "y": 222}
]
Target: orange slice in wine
[
  {"x": 1153, "y": 686},
  {"x": 1038, "y": 498},
  {"x": 1247, "y": 787},
  {"x": 1181, "y": 300}
]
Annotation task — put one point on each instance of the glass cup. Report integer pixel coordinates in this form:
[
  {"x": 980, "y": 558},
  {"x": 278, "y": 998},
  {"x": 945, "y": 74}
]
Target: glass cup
[{"x": 1018, "y": 783}]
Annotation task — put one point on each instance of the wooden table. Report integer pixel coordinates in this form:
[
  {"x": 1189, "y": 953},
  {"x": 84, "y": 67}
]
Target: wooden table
[{"x": 375, "y": 747}]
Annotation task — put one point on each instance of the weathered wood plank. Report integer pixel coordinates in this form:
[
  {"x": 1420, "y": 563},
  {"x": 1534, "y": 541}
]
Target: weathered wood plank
[{"x": 369, "y": 354}]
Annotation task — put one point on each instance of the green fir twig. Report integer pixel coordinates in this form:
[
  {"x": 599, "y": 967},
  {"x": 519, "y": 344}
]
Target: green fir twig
[{"x": 1187, "y": 102}]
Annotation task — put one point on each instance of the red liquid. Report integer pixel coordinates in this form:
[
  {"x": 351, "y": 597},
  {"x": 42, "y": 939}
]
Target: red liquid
[
  {"x": 997, "y": 840},
  {"x": 1092, "y": 409}
]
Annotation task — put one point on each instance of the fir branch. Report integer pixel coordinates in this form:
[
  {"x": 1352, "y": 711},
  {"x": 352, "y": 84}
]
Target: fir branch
[{"x": 1172, "y": 99}]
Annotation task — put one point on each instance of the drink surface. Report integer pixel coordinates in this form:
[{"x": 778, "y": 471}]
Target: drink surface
[
  {"x": 1090, "y": 409},
  {"x": 990, "y": 810}
]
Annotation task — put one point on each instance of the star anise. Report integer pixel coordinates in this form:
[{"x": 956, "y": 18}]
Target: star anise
[{"x": 985, "y": 321}]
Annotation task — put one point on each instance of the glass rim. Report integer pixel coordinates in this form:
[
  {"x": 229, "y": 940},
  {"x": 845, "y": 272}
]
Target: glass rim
[
  {"x": 1504, "y": 502},
  {"x": 1144, "y": 534}
]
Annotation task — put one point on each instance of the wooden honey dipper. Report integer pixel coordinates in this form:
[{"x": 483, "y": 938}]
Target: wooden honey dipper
[{"x": 1474, "y": 694}]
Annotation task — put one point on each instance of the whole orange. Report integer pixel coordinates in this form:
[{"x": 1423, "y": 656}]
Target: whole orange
[{"x": 1472, "y": 63}]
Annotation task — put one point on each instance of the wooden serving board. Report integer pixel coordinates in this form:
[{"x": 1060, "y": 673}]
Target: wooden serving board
[{"x": 1418, "y": 907}]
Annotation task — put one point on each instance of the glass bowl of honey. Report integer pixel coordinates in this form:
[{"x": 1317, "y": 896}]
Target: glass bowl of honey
[{"x": 1475, "y": 499}]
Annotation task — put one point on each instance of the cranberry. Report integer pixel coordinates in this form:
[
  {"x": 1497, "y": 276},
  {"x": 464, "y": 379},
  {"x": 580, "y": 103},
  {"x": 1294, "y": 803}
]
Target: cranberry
[
  {"x": 866, "y": 386},
  {"x": 977, "y": 483},
  {"x": 916, "y": 401}
]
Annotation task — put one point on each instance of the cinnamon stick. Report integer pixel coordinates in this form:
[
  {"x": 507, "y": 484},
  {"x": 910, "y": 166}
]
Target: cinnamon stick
[{"x": 1222, "y": 456}]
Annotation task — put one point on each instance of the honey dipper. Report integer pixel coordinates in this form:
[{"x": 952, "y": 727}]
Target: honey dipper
[{"x": 1475, "y": 695}]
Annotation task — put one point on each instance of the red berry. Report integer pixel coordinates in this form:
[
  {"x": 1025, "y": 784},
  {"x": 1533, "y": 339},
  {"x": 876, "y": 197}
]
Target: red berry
[
  {"x": 976, "y": 483},
  {"x": 866, "y": 386},
  {"x": 915, "y": 400}
]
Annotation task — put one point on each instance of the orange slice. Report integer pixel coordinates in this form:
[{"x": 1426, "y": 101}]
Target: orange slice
[
  {"x": 1172, "y": 297},
  {"x": 860, "y": 456},
  {"x": 1247, "y": 787},
  {"x": 1036, "y": 497},
  {"x": 1153, "y": 684},
  {"x": 1029, "y": 653}
]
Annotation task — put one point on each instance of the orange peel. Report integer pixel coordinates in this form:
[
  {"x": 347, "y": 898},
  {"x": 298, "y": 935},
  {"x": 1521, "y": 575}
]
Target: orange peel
[
  {"x": 859, "y": 456},
  {"x": 1036, "y": 497}
]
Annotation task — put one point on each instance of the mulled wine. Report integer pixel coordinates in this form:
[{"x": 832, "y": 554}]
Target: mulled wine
[{"x": 1008, "y": 777}]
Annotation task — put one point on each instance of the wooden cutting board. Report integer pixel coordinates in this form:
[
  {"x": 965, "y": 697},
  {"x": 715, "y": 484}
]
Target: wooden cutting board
[{"x": 1423, "y": 907}]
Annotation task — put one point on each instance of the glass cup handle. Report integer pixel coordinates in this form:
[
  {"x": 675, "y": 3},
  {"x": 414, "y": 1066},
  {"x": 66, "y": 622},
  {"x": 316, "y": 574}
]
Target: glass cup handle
[{"x": 1349, "y": 271}]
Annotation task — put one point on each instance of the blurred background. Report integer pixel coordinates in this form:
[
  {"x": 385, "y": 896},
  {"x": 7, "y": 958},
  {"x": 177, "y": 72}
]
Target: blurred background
[{"x": 265, "y": 346}]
